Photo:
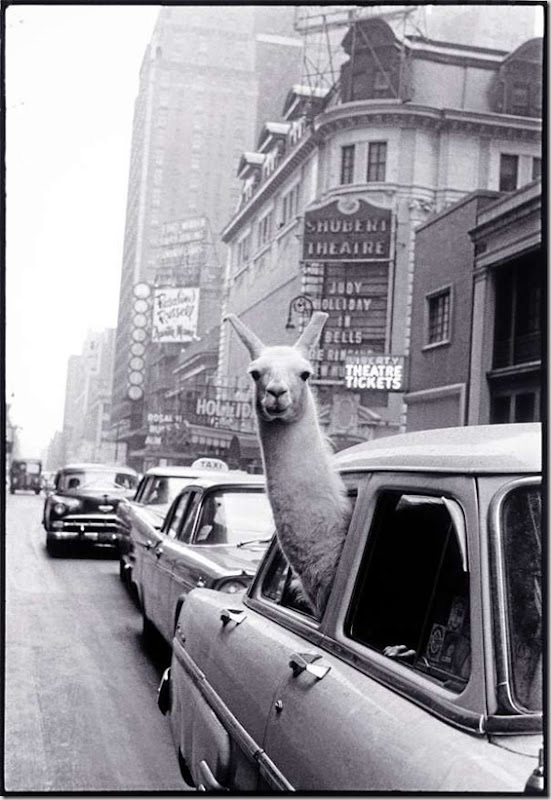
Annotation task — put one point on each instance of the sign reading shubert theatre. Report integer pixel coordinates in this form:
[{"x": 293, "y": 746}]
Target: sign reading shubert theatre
[
  {"x": 347, "y": 230},
  {"x": 346, "y": 255}
]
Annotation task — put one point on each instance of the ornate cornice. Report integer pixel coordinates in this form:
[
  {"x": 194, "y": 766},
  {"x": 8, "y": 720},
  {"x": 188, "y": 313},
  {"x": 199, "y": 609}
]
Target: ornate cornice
[{"x": 367, "y": 114}]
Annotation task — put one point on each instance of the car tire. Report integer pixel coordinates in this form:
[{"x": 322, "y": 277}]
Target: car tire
[
  {"x": 149, "y": 632},
  {"x": 122, "y": 573},
  {"x": 52, "y": 547}
]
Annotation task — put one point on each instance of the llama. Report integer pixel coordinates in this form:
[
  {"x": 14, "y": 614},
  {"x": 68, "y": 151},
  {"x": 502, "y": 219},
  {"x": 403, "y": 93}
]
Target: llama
[{"x": 308, "y": 498}]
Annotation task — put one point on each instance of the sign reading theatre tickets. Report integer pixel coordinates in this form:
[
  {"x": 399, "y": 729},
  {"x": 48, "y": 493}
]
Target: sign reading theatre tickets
[
  {"x": 386, "y": 373},
  {"x": 175, "y": 312}
]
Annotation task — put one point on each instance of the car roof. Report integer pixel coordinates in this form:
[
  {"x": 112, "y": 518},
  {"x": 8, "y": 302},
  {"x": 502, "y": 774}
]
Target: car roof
[
  {"x": 188, "y": 472},
  {"x": 473, "y": 449},
  {"x": 98, "y": 468},
  {"x": 229, "y": 479}
]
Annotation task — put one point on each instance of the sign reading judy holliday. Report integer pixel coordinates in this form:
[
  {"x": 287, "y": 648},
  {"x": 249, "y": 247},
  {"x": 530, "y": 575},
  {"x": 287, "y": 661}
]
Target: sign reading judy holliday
[
  {"x": 347, "y": 229},
  {"x": 376, "y": 372},
  {"x": 175, "y": 313}
]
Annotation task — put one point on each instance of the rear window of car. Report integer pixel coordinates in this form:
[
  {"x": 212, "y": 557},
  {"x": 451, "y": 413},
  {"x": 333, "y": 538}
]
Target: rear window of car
[
  {"x": 76, "y": 480},
  {"x": 522, "y": 556},
  {"x": 162, "y": 490}
]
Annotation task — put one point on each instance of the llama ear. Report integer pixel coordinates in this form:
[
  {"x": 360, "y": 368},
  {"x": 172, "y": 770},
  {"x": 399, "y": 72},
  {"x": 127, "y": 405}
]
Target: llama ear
[
  {"x": 311, "y": 334},
  {"x": 249, "y": 339}
]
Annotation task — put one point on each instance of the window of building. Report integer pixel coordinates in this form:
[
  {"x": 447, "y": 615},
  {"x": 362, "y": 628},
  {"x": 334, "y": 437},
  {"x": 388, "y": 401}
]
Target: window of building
[
  {"x": 438, "y": 317},
  {"x": 518, "y": 311},
  {"x": 381, "y": 81},
  {"x": 289, "y": 205},
  {"x": 520, "y": 99},
  {"x": 376, "y": 161},
  {"x": 347, "y": 163},
  {"x": 508, "y": 173},
  {"x": 520, "y": 404},
  {"x": 536, "y": 169},
  {"x": 264, "y": 229},
  {"x": 244, "y": 250}
]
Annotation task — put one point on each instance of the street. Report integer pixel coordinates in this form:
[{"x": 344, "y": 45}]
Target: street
[{"x": 80, "y": 690}]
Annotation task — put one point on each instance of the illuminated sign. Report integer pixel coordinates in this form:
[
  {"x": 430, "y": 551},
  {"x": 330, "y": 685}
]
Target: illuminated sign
[
  {"x": 347, "y": 229},
  {"x": 386, "y": 373},
  {"x": 175, "y": 312}
]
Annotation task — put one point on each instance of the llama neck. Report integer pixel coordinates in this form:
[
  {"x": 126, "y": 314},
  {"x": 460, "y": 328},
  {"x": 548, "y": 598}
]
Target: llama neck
[{"x": 296, "y": 456}]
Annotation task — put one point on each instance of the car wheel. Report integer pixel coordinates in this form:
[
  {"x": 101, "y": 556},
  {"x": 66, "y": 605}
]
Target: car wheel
[
  {"x": 52, "y": 547},
  {"x": 149, "y": 632},
  {"x": 122, "y": 573},
  {"x": 12, "y": 491}
]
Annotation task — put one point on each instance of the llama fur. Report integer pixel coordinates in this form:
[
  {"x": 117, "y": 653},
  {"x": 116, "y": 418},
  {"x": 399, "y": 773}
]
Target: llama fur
[{"x": 309, "y": 500}]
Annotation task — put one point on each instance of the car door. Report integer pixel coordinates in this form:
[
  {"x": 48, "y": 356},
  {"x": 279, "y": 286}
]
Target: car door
[
  {"x": 398, "y": 696},
  {"x": 170, "y": 554},
  {"x": 242, "y": 655}
]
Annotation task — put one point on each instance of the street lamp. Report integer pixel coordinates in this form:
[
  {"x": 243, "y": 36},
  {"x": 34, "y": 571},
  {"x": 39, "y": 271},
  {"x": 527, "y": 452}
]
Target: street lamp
[{"x": 300, "y": 305}]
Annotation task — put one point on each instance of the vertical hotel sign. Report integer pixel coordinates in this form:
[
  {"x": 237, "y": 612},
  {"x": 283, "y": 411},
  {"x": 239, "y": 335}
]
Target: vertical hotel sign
[{"x": 346, "y": 255}]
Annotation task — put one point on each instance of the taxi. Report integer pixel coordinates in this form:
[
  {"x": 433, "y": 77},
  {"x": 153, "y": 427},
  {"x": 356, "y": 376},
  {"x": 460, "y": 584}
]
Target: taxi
[{"x": 424, "y": 673}]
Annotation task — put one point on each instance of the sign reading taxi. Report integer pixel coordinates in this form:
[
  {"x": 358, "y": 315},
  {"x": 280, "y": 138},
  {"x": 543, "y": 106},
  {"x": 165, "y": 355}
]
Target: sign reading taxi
[
  {"x": 347, "y": 229},
  {"x": 386, "y": 373}
]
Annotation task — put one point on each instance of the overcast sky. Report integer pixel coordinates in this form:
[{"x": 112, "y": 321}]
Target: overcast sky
[{"x": 71, "y": 80}]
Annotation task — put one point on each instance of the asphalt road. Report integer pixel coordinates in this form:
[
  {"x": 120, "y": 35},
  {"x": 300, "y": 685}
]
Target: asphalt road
[{"x": 80, "y": 690}]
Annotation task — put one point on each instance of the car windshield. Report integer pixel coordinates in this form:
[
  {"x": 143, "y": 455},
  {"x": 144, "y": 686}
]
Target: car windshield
[
  {"x": 161, "y": 490},
  {"x": 521, "y": 536},
  {"x": 235, "y": 517},
  {"x": 77, "y": 480}
]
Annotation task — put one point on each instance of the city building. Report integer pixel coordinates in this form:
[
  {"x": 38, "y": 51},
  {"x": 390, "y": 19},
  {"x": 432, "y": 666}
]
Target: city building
[
  {"x": 207, "y": 75},
  {"x": 476, "y": 327},
  {"x": 332, "y": 199},
  {"x": 86, "y": 429}
]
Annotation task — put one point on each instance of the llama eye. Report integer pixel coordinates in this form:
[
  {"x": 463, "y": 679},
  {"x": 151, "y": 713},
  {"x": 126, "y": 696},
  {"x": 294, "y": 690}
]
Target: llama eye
[
  {"x": 305, "y": 375},
  {"x": 255, "y": 374}
]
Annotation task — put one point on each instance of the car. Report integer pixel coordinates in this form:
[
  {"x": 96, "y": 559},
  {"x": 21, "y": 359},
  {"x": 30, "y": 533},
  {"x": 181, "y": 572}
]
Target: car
[
  {"x": 25, "y": 475},
  {"x": 214, "y": 535},
  {"x": 424, "y": 672},
  {"x": 138, "y": 518},
  {"x": 82, "y": 507}
]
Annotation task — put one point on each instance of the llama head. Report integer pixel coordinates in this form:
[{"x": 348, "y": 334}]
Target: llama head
[{"x": 281, "y": 373}]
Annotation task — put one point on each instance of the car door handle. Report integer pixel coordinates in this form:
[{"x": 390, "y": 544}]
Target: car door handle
[
  {"x": 236, "y": 615},
  {"x": 209, "y": 782},
  {"x": 159, "y": 551},
  {"x": 303, "y": 662},
  {"x": 148, "y": 545}
]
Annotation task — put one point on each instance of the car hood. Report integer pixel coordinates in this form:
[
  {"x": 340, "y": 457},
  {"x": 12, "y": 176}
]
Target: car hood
[{"x": 230, "y": 558}]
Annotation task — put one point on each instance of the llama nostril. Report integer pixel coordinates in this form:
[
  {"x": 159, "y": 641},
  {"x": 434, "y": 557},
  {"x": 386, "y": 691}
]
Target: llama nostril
[{"x": 276, "y": 391}]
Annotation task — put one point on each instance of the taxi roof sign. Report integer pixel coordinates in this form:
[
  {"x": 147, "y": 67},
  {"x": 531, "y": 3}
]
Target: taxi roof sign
[{"x": 211, "y": 463}]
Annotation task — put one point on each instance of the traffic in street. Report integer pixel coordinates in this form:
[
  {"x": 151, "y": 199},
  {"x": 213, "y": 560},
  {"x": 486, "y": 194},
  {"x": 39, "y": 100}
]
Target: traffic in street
[{"x": 80, "y": 688}]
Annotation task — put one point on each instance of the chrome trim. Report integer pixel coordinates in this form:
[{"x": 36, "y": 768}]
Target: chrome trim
[
  {"x": 237, "y": 732},
  {"x": 505, "y": 696}
]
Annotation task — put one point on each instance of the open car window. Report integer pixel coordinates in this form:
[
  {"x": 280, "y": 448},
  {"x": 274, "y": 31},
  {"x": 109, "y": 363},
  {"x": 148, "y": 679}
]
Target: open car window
[{"x": 411, "y": 600}]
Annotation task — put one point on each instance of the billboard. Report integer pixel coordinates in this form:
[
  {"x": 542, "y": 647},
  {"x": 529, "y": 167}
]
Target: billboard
[{"x": 175, "y": 311}]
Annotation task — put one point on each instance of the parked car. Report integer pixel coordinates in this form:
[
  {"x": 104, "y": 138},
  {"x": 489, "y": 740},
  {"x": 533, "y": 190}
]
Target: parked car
[
  {"x": 214, "y": 535},
  {"x": 146, "y": 512},
  {"x": 424, "y": 673},
  {"x": 25, "y": 475},
  {"x": 82, "y": 507}
]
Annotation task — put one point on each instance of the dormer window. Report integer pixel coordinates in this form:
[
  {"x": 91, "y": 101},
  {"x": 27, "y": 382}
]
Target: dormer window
[{"x": 520, "y": 99}]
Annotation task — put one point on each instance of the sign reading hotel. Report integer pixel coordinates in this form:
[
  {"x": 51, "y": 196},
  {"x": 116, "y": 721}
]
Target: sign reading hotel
[
  {"x": 175, "y": 312},
  {"x": 379, "y": 373},
  {"x": 347, "y": 229}
]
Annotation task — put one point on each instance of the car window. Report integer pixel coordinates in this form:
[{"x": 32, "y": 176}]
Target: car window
[
  {"x": 411, "y": 600},
  {"x": 522, "y": 546},
  {"x": 176, "y": 514},
  {"x": 281, "y": 586},
  {"x": 162, "y": 490},
  {"x": 187, "y": 528},
  {"x": 242, "y": 517}
]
